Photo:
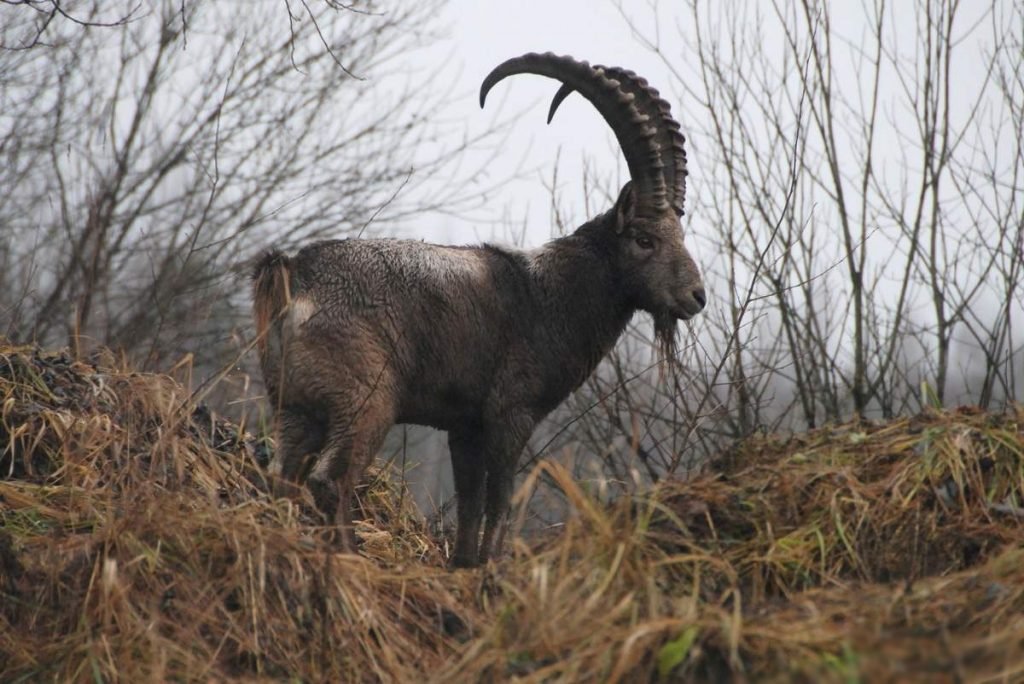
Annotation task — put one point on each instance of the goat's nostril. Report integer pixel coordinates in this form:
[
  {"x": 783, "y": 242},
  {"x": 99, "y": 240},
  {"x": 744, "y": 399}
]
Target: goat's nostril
[{"x": 700, "y": 296}]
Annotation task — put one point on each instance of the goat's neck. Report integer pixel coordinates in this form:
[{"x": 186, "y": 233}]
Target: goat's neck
[{"x": 582, "y": 297}]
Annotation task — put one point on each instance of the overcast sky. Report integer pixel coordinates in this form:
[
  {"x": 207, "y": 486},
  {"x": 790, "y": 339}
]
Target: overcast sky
[
  {"x": 480, "y": 35},
  {"x": 483, "y": 34}
]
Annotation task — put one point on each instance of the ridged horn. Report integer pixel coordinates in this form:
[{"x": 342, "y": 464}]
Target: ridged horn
[
  {"x": 649, "y": 101},
  {"x": 638, "y": 126}
]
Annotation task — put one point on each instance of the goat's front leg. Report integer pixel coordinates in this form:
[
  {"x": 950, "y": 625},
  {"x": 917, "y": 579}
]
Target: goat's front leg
[
  {"x": 468, "y": 472},
  {"x": 505, "y": 445}
]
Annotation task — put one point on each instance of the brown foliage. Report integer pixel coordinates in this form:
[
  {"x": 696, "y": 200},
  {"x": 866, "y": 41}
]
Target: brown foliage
[{"x": 138, "y": 543}]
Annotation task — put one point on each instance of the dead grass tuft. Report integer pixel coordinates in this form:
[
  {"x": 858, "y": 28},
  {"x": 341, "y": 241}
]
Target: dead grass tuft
[{"x": 138, "y": 542}]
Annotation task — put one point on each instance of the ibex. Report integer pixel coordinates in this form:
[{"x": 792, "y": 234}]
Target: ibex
[{"x": 357, "y": 335}]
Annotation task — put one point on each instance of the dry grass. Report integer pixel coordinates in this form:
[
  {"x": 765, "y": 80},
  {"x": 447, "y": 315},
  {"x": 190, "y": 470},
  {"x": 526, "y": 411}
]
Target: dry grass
[{"x": 138, "y": 543}]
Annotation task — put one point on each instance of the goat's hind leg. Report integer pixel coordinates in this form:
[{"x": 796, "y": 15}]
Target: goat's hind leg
[
  {"x": 300, "y": 437},
  {"x": 351, "y": 444}
]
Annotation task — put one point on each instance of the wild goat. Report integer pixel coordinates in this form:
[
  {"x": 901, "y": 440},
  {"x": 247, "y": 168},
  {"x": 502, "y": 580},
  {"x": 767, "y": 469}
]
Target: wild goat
[{"x": 357, "y": 335}]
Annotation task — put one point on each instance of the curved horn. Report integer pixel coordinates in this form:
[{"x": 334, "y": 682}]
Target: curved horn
[
  {"x": 649, "y": 101},
  {"x": 563, "y": 92},
  {"x": 635, "y": 129}
]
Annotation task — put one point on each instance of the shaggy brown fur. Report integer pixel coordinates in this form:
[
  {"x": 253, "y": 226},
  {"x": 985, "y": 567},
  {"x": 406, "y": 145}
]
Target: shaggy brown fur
[{"x": 483, "y": 342}]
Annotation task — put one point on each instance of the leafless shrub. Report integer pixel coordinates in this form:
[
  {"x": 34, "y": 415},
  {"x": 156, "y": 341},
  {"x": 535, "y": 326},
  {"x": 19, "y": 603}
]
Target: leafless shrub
[
  {"x": 858, "y": 210},
  {"x": 142, "y": 162}
]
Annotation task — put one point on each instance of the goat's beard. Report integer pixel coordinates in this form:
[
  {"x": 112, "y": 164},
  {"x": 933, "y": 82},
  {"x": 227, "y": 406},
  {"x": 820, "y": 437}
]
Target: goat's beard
[{"x": 665, "y": 339}]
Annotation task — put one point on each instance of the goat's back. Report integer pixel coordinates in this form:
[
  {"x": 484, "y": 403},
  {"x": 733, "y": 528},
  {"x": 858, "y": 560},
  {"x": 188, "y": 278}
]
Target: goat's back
[{"x": 431, "y": 325}]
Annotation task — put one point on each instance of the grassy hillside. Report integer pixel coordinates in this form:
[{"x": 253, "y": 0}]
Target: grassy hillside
[{"x": 138, "y": 543}]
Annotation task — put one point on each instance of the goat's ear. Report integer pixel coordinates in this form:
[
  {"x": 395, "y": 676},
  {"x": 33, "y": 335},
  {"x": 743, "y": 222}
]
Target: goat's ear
[{"x": 625, "y": 207}]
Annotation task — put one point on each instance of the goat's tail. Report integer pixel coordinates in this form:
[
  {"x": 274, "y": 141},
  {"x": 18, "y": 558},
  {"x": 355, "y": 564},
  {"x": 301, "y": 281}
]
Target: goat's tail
[{"x": 271, "y": 294}]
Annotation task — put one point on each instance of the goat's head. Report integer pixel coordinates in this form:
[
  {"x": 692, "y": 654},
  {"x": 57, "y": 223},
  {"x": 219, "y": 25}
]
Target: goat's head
[{"x": 656, "y": 270}]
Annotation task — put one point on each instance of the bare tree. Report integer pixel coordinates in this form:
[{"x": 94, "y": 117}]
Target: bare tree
[
  {"x": 142, "y": 162},
  {"x": 44, "y": 14},
  {"x": 898, "y": 258},
  {"x": 857, "y": 209}
]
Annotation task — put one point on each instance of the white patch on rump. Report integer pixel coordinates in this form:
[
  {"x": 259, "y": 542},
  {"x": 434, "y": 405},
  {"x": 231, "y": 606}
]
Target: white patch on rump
[{"x": 300, "y": 310}]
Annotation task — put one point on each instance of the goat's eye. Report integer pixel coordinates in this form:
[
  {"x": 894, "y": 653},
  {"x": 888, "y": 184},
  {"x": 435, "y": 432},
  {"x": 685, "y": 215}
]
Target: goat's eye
[{"x": 644, "y": 242}]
